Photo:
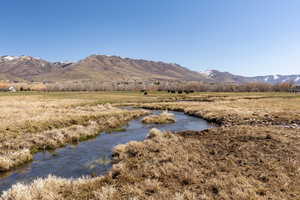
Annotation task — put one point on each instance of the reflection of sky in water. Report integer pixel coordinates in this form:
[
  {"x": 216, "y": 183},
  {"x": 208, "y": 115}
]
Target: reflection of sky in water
[{"x": 93, "y": 156}]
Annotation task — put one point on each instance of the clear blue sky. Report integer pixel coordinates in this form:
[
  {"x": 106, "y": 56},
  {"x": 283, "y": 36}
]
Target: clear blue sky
[{"x": 247, "y": 37}]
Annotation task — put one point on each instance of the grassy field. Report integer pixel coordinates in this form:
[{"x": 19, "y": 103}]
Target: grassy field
[
  {"x": 254, "y": 153},
  {"x": 30, "y": 122},
  {"x": 227, "y": 111}
]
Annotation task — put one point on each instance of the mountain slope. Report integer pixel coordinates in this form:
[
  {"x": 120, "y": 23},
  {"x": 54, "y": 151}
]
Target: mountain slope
[
  {"x": 274, "y": 79},
  {"x": 95, "y": 67},
  {"x": 26, "y": 67},
  {"x": 109, "y": 68},
  {"x": 226, "y": 77},
  {"x": 114, "y": 68}
]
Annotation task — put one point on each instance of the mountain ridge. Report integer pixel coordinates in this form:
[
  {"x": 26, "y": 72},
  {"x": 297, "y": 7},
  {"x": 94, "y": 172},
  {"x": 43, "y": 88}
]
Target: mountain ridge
[{"x": 116, "y": 68}]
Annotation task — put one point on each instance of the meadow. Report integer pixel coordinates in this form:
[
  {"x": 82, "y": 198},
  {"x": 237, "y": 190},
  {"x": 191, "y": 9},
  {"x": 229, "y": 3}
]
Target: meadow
[
  {"x": 252, "y": 153},
  {"x": 32, "y": 122}
]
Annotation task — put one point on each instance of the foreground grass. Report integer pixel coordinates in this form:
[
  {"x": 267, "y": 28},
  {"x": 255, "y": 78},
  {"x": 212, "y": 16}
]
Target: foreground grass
[{"x": 240, "y": 162}]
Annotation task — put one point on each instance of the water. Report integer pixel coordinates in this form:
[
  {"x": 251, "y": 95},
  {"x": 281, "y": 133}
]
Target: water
[{"x": 92, "y": 157}]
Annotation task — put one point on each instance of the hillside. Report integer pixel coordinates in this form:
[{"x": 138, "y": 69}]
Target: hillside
[
  {"x": 114, "y": 68},
  {"x": 226, "y": 77},
  {"x": 95, "y": 67},
  {"x": 26, "y": 68}
]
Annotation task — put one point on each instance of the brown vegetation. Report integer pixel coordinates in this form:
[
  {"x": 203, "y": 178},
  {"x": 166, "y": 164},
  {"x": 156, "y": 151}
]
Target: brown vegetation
[
  {"x": 241, "y": 110},
  {"x": 240, "y": 162},
  {"x": 30, "y": 124},
  {"x": 254, "y": 154},
  {"x": 225, "y": 87},
  {"x": 163, "y": 118},
  {"x": 149, "y": 85},
  {"x": 39, "y": 111},
  {"x": 12, "y": 148},
  {"x": 164, "y": 85}
]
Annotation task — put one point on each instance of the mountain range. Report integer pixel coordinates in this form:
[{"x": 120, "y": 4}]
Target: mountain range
[{"x": 115, "y": 68}]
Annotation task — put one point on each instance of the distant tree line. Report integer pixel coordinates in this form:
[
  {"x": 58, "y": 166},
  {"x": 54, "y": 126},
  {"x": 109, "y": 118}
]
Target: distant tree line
[
  {"x": 154, "y": 85},
  {"x": 170, "y": 86}
]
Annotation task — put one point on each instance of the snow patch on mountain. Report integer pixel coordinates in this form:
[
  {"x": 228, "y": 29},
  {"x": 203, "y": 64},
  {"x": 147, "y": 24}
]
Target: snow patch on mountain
[
  {"x": 207, "y": 73},
  {"x": 10, "y": 58},
  {"x": 275, "y": 77}
]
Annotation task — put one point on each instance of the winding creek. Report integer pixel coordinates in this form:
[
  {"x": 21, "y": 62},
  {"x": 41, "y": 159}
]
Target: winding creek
[{"x": 92, "y": 157}]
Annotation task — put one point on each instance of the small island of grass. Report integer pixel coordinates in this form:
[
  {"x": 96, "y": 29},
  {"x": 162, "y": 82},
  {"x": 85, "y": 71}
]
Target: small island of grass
[{"x": 163, "y": 118}]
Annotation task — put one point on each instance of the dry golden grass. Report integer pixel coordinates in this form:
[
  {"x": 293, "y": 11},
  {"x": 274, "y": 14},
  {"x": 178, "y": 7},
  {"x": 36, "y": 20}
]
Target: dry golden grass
[
  {"x": 10, "y": 148},
  {"x": 239, "y": 162},
  {"x": 254, "y": 154},
  {"x": 99, "y": 119},
  {"x": 265, "y": 111},
  {"x": 31, "y": 123},
  {"x": 22, "y": 112},
  {"x": 163, "y": 118},
  {"x": 10, "y": 159}
]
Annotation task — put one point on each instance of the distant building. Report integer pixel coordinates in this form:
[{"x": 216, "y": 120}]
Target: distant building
[{"x": 12, "y": 89}]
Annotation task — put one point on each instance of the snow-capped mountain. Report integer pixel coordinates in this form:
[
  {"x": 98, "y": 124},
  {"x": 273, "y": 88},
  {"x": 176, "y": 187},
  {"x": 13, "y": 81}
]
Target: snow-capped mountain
[
  {"x": 274, "y": 79},
  {"x": 218, "y": 76},
  {"x": 92, "y": 68},
  {"x": 26, "y": 67},
  {"x": 114, "y": 68}
]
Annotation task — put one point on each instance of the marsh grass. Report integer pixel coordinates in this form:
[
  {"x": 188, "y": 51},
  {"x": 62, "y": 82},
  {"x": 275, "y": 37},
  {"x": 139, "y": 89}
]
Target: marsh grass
[
  {"x": 102, "y": 118},
  {"x": 118, "y": 129},
  {"x": 239, "y": 162},
  {"x": 13, "y": 159},
  {"x": 163, "y": 118},
  {"x": 250, "y": 156},
  {"x": 39, "y": 111},
  {"x": 265, "y": 111}
]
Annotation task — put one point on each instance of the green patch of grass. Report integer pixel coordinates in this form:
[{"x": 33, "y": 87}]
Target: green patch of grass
[{"x": 119, "y": 129}]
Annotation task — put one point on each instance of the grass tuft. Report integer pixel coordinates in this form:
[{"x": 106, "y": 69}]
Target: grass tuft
[{"x": 164, "y": 118}]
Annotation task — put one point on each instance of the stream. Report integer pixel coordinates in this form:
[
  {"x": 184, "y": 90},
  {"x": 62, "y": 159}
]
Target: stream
[{"x": 92, "y": 157}]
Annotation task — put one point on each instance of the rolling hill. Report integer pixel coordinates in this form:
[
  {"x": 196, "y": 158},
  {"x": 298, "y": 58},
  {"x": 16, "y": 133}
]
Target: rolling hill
[
  {"x": 95, "y": 67},
  {"x": 115, "y": 68}
]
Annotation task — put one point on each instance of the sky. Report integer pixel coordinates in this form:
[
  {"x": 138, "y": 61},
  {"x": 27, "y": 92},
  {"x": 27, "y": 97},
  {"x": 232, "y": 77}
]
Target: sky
[{"x": 245, "y": 37}]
